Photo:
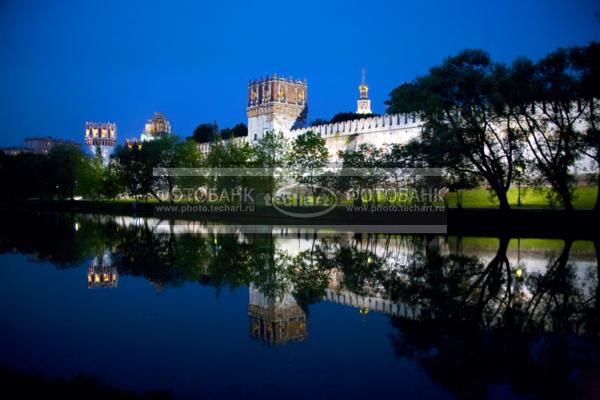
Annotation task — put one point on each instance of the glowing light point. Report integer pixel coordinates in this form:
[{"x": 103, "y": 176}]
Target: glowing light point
[{"x": 519, "y": 272}]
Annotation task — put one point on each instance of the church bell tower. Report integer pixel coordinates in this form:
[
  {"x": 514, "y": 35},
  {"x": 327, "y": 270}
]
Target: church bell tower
[{"x": 363, "y": 103}]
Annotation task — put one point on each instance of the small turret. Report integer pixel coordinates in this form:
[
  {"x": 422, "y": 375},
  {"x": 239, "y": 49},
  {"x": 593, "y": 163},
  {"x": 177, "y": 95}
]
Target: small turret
[{"x": 363, "y": 103}]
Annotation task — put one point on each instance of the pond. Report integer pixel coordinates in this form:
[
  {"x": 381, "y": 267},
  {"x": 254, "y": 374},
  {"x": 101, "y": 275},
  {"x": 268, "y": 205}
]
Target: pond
[{"x": 182, "y": 309}]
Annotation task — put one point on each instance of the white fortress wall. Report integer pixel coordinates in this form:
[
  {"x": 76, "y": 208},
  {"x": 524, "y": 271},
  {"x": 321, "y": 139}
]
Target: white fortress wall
[
  {"x": 205, "y": 147},
  {"x": 349, "y": 135},
  {"x": 277, "y": 104},
  {"x": 377, "y": 131},
  {"x": 380, "y": 131}
]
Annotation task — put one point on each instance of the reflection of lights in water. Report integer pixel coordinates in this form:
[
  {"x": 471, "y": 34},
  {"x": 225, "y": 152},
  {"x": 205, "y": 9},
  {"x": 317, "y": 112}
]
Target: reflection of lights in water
[
  {"x": 76, "y": 226},
  {"x": 519, "y": 272},
  {"x": 103, "y": 274},
  {"x": 102, "y": 277}
]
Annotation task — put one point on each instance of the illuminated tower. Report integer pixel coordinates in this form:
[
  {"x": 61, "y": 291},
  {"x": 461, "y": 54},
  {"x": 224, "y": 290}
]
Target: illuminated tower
[
  {"x": 102, "y": 136},
  {"x": 156, "y": 127},
  {"x": 276, "y": 105},
  {"x": 363, "y": 103}
]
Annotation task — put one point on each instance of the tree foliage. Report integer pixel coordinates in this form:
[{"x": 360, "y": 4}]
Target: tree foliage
[
  {"x": 485, "y": 120},
  {"x": 307, "y": 155},
  {"x": 239, "y": 130},
  {"x": 206, "y": 132}
]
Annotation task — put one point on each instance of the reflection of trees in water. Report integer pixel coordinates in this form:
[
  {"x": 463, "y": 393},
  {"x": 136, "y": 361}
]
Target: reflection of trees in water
[
  {"x": 58, "y": 238},
  {"x": 479, "y": 323},
  {"x": 416, "y": 270},
  {"x": 563, "y": 301},
  {"x": 488, "y": 326},
  {"x": 457, "y": 287},
  {"x": 469, "y": 361}
]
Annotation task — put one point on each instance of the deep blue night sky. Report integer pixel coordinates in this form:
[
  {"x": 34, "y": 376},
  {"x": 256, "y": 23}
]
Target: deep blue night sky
[{"x": 65, "y": 62}]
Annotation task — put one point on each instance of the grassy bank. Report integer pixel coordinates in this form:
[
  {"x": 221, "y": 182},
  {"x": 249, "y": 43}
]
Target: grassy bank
[{"x": 584, "y": 199}]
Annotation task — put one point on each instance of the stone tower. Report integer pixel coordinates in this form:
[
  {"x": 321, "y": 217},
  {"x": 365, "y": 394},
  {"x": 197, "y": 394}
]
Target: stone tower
[
  {"x": 101, "y": 136},
  {"x": 276, "y": 105},
  {"x": 363, "y": 103}
]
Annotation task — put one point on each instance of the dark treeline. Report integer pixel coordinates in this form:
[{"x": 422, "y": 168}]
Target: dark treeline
[
  {"x": 341, "y": 117},
  {"x": 65, "y": 172},
  {"x": 208, "y": 132}
]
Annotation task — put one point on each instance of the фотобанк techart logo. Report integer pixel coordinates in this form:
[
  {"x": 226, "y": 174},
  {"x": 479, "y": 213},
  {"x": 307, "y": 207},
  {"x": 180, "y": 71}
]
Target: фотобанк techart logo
[
  {"x": 303, "y": 200},
  {"x": 384, "y": 199}
]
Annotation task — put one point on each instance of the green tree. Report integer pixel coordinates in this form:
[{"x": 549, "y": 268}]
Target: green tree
[
  {"x": 365, "y": 163},
  {"x": 231, "y": 154},
  {"x": 205, "y": 133},
  {"x": 271, "y": 152},
  {"x": 307, "y": 156},
  {"x": 465, "y": 124},
  {"x": 111, "y": 183},
  {"x": 161, "y": 154},
  {"x": 138, "y": 164},
  {"x": 134, "y": 170},
  {"x": 89, "y": 178},
  {"x": 349, "y": 116},
  {"x": 68, "y": 167},
  {"x": 586, "y": 60},
  {"x": 407, "y": 98},
  {"x": 549, "y": 106},
  {"x": 240, "y": 130},
  {"x": 187, "y": 155}
]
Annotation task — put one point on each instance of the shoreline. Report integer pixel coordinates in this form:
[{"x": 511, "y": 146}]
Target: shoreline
[{"x": 550, "y": 223}]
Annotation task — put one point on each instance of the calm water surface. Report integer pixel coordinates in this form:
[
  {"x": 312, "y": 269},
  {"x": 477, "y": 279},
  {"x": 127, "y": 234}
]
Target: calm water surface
[{"x": 205, "y": 310}]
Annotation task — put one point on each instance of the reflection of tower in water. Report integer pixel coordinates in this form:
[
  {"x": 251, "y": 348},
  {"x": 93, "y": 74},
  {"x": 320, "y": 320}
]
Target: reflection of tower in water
[
  {"x": 101, "y": 273},
  {"x": 276, "y": 321}
]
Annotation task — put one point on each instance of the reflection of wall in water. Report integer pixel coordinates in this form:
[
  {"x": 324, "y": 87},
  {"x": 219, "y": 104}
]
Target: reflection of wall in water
[
  {"x": 101, "y": 273},
  {"x": 371, "y": 303},
  {"x": 282, "y": 321},
  {"x": 276, "y": 321}
]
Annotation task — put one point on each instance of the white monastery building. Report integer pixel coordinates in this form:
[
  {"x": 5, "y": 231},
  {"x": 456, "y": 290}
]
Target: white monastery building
[{"x": 278, "y": 104}]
